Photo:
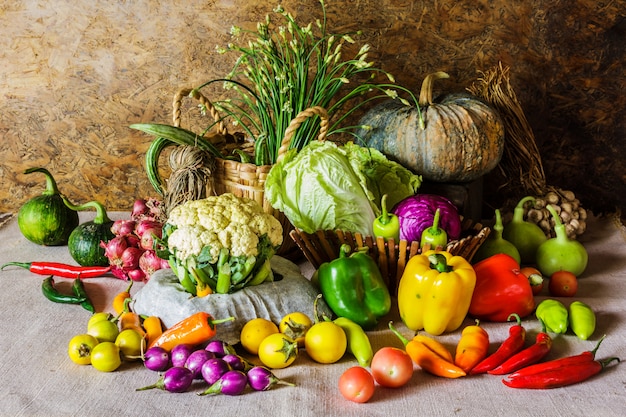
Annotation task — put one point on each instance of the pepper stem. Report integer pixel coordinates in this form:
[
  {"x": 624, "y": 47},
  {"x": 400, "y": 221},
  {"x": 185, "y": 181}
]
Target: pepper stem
[
  {"x": 439, "y": 262},
  {"x": 101, "y": 213},
  {"x": 395, "y": 331},
  {"x": 51, "y": 185},
  {"x": 517, "y": 318},
  {"x": 384, "y": 217}
]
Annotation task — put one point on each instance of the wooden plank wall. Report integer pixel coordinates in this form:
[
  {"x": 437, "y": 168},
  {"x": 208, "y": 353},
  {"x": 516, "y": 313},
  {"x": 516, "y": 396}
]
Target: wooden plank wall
[{"x": 76, "y": 74}]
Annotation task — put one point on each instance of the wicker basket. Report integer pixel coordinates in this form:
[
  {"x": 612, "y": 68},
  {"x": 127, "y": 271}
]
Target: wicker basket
[
  {"x": 246, "y": 179},
  {"x": 323, "y": 246}
]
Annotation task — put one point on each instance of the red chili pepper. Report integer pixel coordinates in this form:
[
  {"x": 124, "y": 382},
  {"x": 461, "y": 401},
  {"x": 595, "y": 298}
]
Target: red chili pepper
[
  {"x": 513, "y": 344},
  {"x": 526, "y": 357},
  {"x": 555, "y": 364},
  {"x": 572, "y": 373},
  {"x": 61, "y": 270}
]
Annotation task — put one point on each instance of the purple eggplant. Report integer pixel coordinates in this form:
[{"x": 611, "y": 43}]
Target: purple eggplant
[
  {"x": 180, "y": 353},
  {"x": 237, "y": 362},
  {"x": 156, "y": 359},
  {"x": 175, "y": 379},
  {"x": 195, "y": 361},
  {"x": 220, "y": 348},
  {"x": 231, "y": 383},
  {"x": 261, "y": 379},
  {"x": 213, "y": 369}
]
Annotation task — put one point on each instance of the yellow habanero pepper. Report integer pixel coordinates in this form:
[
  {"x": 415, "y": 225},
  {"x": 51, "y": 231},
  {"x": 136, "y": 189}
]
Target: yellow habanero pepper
[{"x": 435, "y": 292}]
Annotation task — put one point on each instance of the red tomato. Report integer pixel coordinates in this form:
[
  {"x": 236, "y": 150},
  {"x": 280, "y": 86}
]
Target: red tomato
[
  {"x": 563, "y": 284},
  {"x": 391, "y": 367},
  {"x": 535, "y": 278},
  {"x": 357, "y": 384}
]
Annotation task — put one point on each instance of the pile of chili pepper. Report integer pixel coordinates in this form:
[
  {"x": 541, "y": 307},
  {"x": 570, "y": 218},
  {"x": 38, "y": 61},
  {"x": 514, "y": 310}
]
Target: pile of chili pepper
[
  {"x": 511, "y": 345},
  {"x": 79, "y": 295},
  {"x": 559, "y": 372}
]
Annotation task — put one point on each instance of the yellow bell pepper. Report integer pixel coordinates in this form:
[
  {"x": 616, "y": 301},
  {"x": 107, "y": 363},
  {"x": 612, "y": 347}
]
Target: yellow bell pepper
[{"x": 435, "y": 292}]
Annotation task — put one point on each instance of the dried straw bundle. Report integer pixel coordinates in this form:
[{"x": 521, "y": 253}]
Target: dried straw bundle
[
  {"x": 191, "y": 177},
  {"x": 521, "y": 162}
]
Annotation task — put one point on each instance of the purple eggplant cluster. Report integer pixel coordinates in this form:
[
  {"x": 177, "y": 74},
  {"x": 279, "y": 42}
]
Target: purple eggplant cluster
[{"x": 217, "y": 364}]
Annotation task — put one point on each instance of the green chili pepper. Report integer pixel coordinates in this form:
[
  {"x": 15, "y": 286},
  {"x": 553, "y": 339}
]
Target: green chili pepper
[
  {"x": 554, "y": 315},
  {"x": 353, "y": 287},
  {"x": 52, "y": 294},
  {"x": 434, "y": 235},
  {"x": 79, "y": 290},
  {"x": 387, "y": 225},
  {"x": 582, "y": 319}
]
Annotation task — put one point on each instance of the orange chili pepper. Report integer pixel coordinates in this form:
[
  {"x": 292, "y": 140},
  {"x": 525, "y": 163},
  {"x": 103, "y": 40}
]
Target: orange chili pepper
[
  {"x": 472, "y": 347},
  {"x": 119, "y": 302},
  {"x": 153, "y": 327},
  {"x": 128, "y": 319},
  {"x": 193, "y": 330},
  {"x": 435, "y": 346},
  {"x": 428, "y": 359}
]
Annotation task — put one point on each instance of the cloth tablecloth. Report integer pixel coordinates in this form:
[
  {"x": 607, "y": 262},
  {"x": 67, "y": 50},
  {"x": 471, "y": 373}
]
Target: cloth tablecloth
[{"x": 37, "y": 378}]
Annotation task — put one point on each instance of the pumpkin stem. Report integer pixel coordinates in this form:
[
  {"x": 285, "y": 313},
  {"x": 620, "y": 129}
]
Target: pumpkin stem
[{"x": 426, "y": 93}]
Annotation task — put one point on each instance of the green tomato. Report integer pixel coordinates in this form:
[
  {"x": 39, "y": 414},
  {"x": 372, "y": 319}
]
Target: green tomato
[
  {"x": 104, "y": 330},
  {"x": 105, "y": 357},
  {"x": 131, "y": 344},
  {"x": 80, "y": 347}
]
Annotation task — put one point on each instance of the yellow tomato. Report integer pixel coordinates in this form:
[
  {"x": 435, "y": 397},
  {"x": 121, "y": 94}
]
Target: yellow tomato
[
  {"x": 104, "y": 330},
  {"x": 253, "y": 333},
  {"x": 278, "y": 351},
  {"x": 325, "y": 342},
  {"x": 79, "y": 348},
  {"x": 105, "y": 357},
  {"x": 131, "y": 344},
  {"x": 295, "y": 325}
]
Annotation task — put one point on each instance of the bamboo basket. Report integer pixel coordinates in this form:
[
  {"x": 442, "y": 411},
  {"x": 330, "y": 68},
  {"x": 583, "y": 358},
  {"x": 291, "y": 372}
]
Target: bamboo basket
[
  {"x": 247, "y": 179},
  {"x": 323, "y": 246}
]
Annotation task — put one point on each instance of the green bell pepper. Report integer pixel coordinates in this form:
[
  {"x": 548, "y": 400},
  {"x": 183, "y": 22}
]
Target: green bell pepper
[
  {"x": 554, "y": 315},
  {"x": 353, "y": 287}
]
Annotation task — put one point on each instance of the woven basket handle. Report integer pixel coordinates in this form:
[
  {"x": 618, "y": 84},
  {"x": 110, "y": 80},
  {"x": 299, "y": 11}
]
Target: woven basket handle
[
  {"x": 295, "y": 124},
  {"x": 185, "y": 92}
]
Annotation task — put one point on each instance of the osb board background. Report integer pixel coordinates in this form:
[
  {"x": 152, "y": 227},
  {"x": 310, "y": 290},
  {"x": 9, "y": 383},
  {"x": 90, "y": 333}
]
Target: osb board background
[{"x": 75, "y": 75}]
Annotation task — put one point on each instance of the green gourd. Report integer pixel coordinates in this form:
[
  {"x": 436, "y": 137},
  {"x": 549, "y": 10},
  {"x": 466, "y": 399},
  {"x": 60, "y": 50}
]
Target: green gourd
[
  {"x": 526, "y": 236},
  {"x": 561, "y": 252},
  {"x": 495, "y": 244},
  {"x": 84, "y": 241},
  {"x": 45, "y": 219}
]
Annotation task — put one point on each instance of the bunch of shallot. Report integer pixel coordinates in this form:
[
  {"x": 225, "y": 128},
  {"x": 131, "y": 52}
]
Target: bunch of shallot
[{"x": 132, "y": 252}]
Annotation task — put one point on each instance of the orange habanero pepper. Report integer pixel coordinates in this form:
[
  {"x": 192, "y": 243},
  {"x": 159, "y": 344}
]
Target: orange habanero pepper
[{"x": 472, "y": 347}]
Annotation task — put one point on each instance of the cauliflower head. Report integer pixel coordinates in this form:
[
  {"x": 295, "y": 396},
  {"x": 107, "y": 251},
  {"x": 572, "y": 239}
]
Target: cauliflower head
[{"x": 238, "y": 224}]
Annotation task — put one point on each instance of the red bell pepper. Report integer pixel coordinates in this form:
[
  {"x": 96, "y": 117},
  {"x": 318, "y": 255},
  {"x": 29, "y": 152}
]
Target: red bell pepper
[{"x": 501, "y": 290}]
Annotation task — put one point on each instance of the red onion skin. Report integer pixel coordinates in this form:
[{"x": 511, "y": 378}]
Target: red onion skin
[
  {"x": 139, "y": 208},
  {"x": 144, "y": 225},
  {"x": 123, "y": 227},
  {"x": 416, "y": 213},
  {"x": 136, "y": 275},
  {"x": 149, "y": 262},
  {"x": 130, "y": 258},
  {"x": 147, "y": 238},
  {"x": 114, "y": 250}
]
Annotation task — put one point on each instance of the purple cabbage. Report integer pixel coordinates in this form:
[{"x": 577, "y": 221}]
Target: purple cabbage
[{"x": 417, "y": 212}]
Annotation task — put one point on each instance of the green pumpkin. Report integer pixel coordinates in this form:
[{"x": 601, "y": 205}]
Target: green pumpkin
[
  {"x": 84, "y": 241},
  {"x": 457, "y": 138},
  {"x": 45, "y": 219}
]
